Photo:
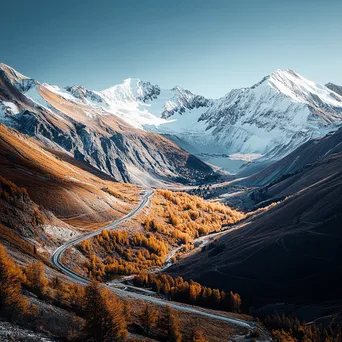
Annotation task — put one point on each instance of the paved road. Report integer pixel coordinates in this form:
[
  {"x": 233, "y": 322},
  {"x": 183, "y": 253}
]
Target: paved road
[
  {"x": 56, "y": 257},
  {"x": 56, "y": 260}
]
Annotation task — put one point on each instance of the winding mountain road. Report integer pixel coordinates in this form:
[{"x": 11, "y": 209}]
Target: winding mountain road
[
  {"x": 56, "y": 257},
  {"x": 56, "y": 260}
]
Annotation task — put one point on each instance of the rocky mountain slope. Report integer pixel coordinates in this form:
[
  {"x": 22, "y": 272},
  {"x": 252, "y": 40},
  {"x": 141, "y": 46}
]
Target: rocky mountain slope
[
  {"x": 18, "y": 212},
  {"x": 274, "y": 116},
  {"x": 334, "y": 87},
  {"x": 271, "y": 118},
  {"x": 77, "y": 121},
  {"x": 72, "y": 190},
  {"x": 110, "y": 129}
]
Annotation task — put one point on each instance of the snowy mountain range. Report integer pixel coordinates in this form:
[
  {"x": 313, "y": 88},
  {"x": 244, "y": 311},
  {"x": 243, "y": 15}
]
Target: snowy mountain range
[
  {"x": 271, "y": 118},
  {"x": 268, "y": 120}
]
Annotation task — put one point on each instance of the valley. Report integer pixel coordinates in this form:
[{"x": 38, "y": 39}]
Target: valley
[
  {"x": 57, "y": 256},
  {"x": 170, "y": 171},
  {"x": 220, "y": 211}
]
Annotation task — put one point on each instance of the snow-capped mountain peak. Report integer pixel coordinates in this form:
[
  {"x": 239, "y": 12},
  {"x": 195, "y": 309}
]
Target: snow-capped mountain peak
[
  {"x": 301, "y": 89},
  {"x": 11, "y": 73},
  {"x": 146, "y": 105},
  {"x": 132, "y": 89},
  {"x": 275, "y": 115}
]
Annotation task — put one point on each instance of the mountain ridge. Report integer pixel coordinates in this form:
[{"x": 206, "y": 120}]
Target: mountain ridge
[
  {"x": 90, "y": 133},
  {"x": 269, "y": 119}
]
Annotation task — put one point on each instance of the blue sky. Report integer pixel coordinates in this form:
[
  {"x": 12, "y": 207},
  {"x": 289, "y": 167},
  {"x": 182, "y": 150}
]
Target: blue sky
[{"x": 206, "y": 46}]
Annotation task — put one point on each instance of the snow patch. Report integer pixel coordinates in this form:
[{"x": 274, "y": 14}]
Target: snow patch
[
  {"x": 10, "y": 107},
  {"x": 247, "y": 157}
]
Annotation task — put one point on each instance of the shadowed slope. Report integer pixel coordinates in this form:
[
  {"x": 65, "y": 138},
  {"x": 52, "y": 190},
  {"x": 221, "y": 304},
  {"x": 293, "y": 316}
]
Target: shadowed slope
[
  {"x": 303, "y": 157},
  {"x": 291, "y": 252}
]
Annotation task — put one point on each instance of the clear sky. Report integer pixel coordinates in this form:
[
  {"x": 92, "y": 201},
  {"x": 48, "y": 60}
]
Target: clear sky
[{"x": 206, "y": 46}]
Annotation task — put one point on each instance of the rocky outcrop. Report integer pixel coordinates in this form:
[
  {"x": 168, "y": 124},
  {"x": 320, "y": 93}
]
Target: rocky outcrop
[
  {"x": 334, "y": 87},
  {"x": 83, "y": 94}
]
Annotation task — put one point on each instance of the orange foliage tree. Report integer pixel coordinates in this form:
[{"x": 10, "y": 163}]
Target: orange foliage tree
[
  {"x": 12, "y": 302},
  {"x": 175, "y": 219},
  {"x": 35, "y": 279},
  {"x": 189, "y": 292},
  {"x": 104, "y": 315}
]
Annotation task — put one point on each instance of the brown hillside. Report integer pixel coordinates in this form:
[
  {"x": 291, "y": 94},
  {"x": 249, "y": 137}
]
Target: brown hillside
[{"x": 70, "y": 192}]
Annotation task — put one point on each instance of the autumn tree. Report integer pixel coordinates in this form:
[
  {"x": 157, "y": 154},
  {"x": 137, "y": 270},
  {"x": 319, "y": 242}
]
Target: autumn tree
[
  {"x": 216, "y": 297},
  {"x": 173, "y": 326},
  {"x": 194, "y": 291},
  {"x": 149, "y": 318},
  {"x": 198, "y": 336},
  {"x": 175, "y": 219},
  {"x": 191, "y": 292},
  {"x": 35, "y": 279},
  {"x": 105, "y": 320},
  {"x": 234, "y": 301},
  {"x": 12, "y": 302}
]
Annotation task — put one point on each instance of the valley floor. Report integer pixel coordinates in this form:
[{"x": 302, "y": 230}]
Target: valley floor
[{"x": 126, "y": 291}]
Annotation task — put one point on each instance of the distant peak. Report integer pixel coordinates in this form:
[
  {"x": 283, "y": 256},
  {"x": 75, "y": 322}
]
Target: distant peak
[
  {"x": 5, "y": 66},
  {"x": 12, "y": 73},
  {"x": 131, "y": 80},
  {"x": 128, "y": 82},
  {"x": 279, "y": 74},
  {"x": 281, "y": 78},
  {"x": 330, "y": 84},
  {"x": 82, "y": 93},
  {"x": 179, "y": 89}
]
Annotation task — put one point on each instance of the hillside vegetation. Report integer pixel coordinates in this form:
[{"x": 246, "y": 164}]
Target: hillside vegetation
[
  {"x": 177, "y": 289},
  {"x": 71, "y": 312},
  {"x": 174, "y": 219},
  {"x": 17, "y": 210}
]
